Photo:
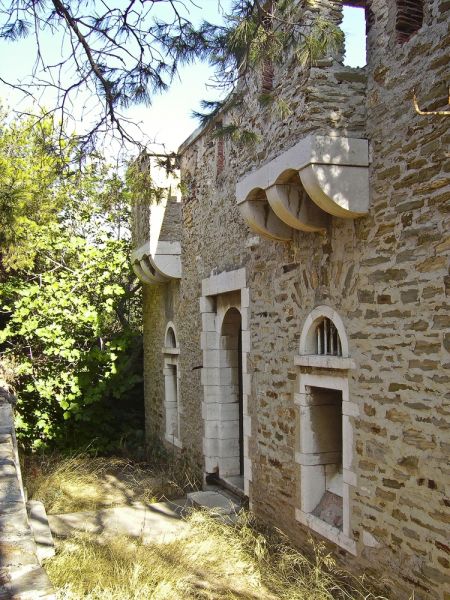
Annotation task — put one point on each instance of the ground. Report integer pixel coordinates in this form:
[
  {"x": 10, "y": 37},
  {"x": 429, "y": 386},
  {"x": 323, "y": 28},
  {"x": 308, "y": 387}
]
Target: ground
[{"x": 206, "y": 558}]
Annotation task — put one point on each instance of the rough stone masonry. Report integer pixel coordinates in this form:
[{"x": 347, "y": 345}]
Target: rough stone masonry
[{"x": 330, "y": 231}]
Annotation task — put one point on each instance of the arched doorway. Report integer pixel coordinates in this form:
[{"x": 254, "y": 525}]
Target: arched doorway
[
  {"x": 231, "y": 426},
  {"x": 171, "y": 387}
]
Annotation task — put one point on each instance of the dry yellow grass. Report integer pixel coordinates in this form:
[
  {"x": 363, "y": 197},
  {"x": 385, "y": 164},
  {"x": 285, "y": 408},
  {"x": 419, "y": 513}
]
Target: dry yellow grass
[
  {"x": 81, "y": 482},
  {"x": 212, "y": 561}
]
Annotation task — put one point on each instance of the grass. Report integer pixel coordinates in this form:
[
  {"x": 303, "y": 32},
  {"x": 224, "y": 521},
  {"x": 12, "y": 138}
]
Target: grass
[
  {"x": 208, "y": 561},
  {"x": 81, "y": 482},
  {"x": 211, "y": 561}
]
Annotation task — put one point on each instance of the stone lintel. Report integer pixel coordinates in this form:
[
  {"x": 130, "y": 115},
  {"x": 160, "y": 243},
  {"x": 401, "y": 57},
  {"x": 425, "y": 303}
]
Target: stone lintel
[
  {"x": 227, "y": 281},
  {"x": 325, "y": 362}
]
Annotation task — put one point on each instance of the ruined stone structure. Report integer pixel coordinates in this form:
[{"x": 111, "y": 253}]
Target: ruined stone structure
[{"x": 296, "y": 321}]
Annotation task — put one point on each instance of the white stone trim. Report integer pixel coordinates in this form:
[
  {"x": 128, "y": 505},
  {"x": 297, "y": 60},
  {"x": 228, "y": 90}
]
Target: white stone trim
[
  {"x": 325, "y": 530},
  {"x": 306, "y": 338},
  {"x": 171, "y": 325},
  {"x": 220, "y": 292},
  {"x": 157, "y": 265},
  {"x": 324, "y": 362},
  {"x": 332, "y": 170},
  {"x": 227, "y": 281},
  {"x": 172, "y": 389},
  {"x": 311, "y": 456}
]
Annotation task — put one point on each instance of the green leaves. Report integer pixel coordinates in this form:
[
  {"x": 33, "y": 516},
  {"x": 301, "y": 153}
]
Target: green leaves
[{"x": 70, "y": 316}]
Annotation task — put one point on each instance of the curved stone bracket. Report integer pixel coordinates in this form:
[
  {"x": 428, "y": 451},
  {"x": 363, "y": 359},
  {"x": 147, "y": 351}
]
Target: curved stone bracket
[
  {"x": 293, "y": 206},
  {"x": 333, "y": 172},
  {"x": 342, "y": 191},
  {"x": 158, "y": 267},
  {"x": 261, "y": 218}
]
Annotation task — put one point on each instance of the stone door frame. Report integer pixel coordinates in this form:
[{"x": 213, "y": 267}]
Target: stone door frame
[{"x": 220, "y": 293}]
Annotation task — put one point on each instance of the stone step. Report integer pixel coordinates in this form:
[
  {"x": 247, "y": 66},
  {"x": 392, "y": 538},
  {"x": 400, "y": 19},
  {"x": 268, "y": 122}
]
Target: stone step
[
  {"x": 30, "y": 582},
  {"x": 152, "y": 523},
  {"x": 222, "y": 505},
  {"x": 40, "y": 528}
]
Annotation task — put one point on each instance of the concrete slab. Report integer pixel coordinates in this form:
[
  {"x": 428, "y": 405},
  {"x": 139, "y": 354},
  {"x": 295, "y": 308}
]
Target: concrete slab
[
  {"x": 21, "y": 576},
  {"x": 30, "y": 584},
  {"x": 159, "y": 522},
  {"x": 38, "y": 521},
  {"x": 214, "y": 501}
]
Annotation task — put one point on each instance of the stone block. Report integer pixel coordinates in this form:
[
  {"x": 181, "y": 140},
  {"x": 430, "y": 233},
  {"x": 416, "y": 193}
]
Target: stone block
[
  {"x": 245, "y": 299},
  {"x": 350, "y": 478},
  {"x": 320, "y": 429},
  {"x": 41, "y": 530},
  {"x": 31, "y": 584},
  {"x": 248, "y": 469},
  {"x": 247, "y": 425},
  {"x": 208, "y": 322},
  {"x": 224, "y": 282},
  {"x": 211, "y": 464},
  {"x": 229, "y": 448},
  {"x": 211, "y": 359},
  {"x": 209, "y": 340},
  {"x": 207, "y": 304},
  {"x": 213, "y": 501},
  {"x": 10, "y": 489},
  {"x": 210, "y": 446},
  {"x": 228, "y": 430},
  {"x": 246, "y": 341},
  {"x": 211, "y": 376},
  {"x": 229, "y": 466},
  {"x": 312, "y": 486},
  {"x": 229, "y": 376}
]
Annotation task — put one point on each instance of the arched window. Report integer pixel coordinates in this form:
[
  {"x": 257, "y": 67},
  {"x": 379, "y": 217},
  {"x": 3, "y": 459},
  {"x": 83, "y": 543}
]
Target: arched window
[
  {"x": 323, "y": 334},
  {"x": 328, "y": 342},
  {"x": 171, "y": 340},
  {"x": 171, "y": 387}
]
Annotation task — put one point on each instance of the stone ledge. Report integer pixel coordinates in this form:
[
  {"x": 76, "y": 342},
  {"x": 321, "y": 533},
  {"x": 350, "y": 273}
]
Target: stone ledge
[
  {"x": 327, "y": 531},
  {"x": 325, "y": 362}
]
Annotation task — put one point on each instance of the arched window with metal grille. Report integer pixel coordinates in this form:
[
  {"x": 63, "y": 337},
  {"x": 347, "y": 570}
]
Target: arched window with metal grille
[{"x": 327, "y": 338}]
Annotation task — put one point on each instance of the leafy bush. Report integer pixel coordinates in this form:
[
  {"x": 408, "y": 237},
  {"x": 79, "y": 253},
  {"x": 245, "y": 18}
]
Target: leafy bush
[
  {"x": 69, "y": 301},
  {"x": 77, "y": 367}
]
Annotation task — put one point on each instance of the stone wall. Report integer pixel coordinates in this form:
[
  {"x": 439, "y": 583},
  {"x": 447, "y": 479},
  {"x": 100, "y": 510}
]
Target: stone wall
[
  {"x": 403, "y": 285},
  {"x": 384, "y": 274},
  {"x": 21, "y": 575}
]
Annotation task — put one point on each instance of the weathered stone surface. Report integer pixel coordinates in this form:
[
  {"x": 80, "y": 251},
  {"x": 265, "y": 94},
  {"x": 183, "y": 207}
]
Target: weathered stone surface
[
  {"x": 385, "y": 275},
  {"x": 21, "y": 576}
]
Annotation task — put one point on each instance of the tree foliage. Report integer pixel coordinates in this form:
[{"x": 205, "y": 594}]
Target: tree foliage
[
  {"x": 69, "y": 301},
  {"x": 122, "y": 53},
  {"x": 32, "y": 190}
]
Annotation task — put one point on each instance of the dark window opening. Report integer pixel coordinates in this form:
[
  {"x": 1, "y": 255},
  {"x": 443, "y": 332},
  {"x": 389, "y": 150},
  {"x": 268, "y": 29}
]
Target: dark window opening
[
  {"x": 409, "y": 19},
  {"x": 327, "y": 338},
  {"x": 171, "y": 341},
  {"x": 326, "y": 425}
]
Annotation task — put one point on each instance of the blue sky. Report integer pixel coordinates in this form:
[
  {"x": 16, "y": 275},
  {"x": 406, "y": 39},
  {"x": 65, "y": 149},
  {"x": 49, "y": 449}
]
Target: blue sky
[{"x": 169, "y": 118}]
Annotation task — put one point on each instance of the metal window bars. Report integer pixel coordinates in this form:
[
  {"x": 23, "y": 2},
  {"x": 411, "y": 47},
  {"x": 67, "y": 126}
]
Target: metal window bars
[{"x": 327, "y": 337}]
